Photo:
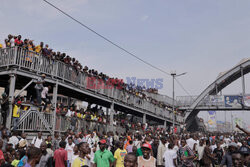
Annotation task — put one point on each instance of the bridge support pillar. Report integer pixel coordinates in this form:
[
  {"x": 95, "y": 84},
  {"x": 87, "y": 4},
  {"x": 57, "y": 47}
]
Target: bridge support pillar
[
  {"x": 107, "y": 111},
  {"x": 165, "y": 123},
  {"x": 243, "y": 82},
  {"x": 111, "y": 118},
  {"x": 144, "y": 118},
  {"x": 55, "y": 89},
  {"x": 11, "y": 98}
]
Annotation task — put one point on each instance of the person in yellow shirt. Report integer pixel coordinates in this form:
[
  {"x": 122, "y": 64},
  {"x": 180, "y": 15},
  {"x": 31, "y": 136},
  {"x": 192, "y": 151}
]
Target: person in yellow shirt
[
  {"x": 1, "y": 46},
  {"x": 119, "y": 155},
  {"x": 81, "y": 160},
  {"x": 78, "y": 115},
  {"x": 38, "y": 48},
  {"x": 16, "y": 114}
]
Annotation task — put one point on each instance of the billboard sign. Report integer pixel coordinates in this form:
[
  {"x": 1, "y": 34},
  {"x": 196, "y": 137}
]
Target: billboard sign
[
  {"x": 233, "y": 101},
  {"x": 216, "y": 100},
  {"x": 246, "y": 101}
]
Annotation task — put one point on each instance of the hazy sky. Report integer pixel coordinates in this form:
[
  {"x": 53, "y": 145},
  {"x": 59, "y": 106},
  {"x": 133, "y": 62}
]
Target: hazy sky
[{"x": 200, "y": 37}]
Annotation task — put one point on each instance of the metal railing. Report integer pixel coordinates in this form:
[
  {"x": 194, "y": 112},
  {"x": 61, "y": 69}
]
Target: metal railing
[
  {"x": 37, "y": 63},
  {"x": 35, "y": 121},
  {"x": 31, "y": 120},
  {"x": 208, "y": 101}
]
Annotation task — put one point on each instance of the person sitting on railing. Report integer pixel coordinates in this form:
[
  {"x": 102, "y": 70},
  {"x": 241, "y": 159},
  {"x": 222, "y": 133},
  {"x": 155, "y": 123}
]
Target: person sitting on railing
[{"x": 1, "y": 46}]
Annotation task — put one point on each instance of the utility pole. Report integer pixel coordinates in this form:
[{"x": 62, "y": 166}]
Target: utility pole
[{"x": 173, "y": 74}]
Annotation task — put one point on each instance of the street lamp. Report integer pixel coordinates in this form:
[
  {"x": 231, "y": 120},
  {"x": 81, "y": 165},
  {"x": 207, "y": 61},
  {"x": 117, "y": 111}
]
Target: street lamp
[{"x": 174, "y": 75}]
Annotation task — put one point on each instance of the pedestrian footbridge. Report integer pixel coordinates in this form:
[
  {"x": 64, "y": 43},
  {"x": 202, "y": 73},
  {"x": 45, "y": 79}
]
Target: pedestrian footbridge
[
  {"x": 209, "y": 98},
  {"x": 20, "y": 67}
]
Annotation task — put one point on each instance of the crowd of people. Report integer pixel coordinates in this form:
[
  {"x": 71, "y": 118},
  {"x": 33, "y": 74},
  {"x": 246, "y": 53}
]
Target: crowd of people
[
  {"x": 149, "y": 148},
  {"x": 71, "y": 116},
  {"x": 45, "y": 50},
  {"x": 97, "y": 115}
]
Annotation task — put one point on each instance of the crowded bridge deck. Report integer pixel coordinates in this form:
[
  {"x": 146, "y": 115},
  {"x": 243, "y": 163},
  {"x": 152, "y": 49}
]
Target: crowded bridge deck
[{"x": 25, "y": 65}]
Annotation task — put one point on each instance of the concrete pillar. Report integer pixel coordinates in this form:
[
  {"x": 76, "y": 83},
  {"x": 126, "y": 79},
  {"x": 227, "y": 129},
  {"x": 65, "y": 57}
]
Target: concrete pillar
[
  {"x": 165, "y": 124},
  {"x": 144, "y": 118},
  {"x": 107, "y": 111},
  {"x": 11, "y": 98},
  {"x": 216, "y": 88},
  {"x": 69, "y": 101},
  {"x": 111, "y": 117},
  {"x": 243, "y": 82},
  {"x": 54, "y": 102}
]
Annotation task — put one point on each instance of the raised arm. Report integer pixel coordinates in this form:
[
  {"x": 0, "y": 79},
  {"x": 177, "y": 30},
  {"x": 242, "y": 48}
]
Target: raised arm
[{"x": 243, "y": 130}]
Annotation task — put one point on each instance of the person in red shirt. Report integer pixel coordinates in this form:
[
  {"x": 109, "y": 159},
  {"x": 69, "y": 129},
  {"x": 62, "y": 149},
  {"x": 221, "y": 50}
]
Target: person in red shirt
[
  {"x": 2, "y": 160},
  {"x": 60, "y": 155},
  {"x": 18, "y": 41}
]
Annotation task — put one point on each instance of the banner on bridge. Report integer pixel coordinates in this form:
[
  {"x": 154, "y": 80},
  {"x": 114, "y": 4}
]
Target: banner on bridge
[
  {"x": 216, "y": 100},
  {"x": 233, "y": 101},
  {"x": 246, "y": 101}
]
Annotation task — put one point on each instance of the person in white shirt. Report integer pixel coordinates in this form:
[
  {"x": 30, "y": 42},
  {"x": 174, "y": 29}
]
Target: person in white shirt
[
  {"x": 44, "y": 92},
  {"x": 11, "y": 40},
  {"x": 70, "y": 112},
  {"x": 44, "y": 96},
  {"x": 227, "y": 140},
  {"x": 191, "y": 141},
  {"x": 200, "y": 149},
  {"x": 13, "y": 139},
  {"x": 69, "y": 148},
  {"x": 170, "y": 156},
  {"x": 90, "y": 139},
  {"x": 176, "y": 145},
  {"x": 213, "y": 145},
  {"x": 239, "y": 144},
  {"x": 36, "y": 142}
]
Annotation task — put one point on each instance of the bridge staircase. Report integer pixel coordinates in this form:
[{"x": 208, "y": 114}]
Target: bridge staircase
[{"x": 34, "y": 120}]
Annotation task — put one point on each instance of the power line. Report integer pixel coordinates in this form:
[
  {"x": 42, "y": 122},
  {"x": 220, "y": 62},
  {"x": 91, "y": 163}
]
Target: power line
[
  {"x": 182, "y": 87},
  {"x": 106, "y": 39},
  {"x": 113, "y": 43}
]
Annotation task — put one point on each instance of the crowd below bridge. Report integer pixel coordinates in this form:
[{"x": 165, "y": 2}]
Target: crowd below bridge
[
  {"x": 148, "y": 148},
  {"x": 43, "y": 49}
]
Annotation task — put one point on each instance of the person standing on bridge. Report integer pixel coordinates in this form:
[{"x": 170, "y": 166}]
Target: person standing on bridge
[
  {"x": 44, "y": 95},
  {"x": 4, "y": 108},
  {"x": 16, "y": 114},
  {"x": 39, "y": 88}
]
